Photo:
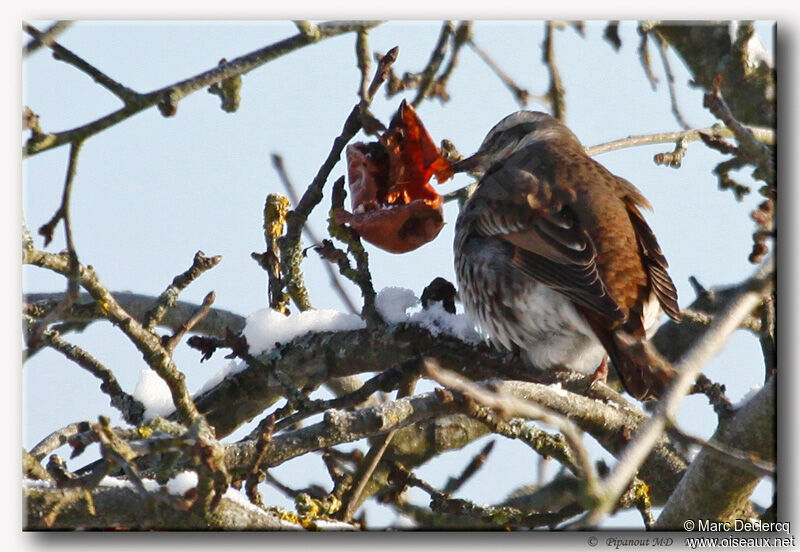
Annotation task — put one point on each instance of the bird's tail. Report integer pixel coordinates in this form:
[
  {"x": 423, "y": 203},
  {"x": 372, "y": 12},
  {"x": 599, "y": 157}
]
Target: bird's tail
[{"x": 642, "y": 371}]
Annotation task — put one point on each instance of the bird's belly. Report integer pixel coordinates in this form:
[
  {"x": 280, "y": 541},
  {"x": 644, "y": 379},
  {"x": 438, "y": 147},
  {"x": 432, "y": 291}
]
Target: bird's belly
[{"x": 537, "y": 319}]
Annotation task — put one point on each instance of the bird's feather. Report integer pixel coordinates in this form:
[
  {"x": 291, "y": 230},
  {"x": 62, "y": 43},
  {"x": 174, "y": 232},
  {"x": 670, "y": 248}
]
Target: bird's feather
[{"x": 550, "y": 245}]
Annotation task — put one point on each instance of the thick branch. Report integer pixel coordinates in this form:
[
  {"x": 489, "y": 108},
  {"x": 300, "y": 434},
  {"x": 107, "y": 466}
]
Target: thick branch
[
  {"x": 708, "y": 52},
  {"x": 125, "y": 508},
  {"x": 714, "y": 488},
  {"x": 86, "y": 310}
]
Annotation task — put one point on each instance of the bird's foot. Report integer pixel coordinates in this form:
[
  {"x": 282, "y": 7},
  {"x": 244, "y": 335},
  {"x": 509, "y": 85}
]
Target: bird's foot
[{"x": 600, "y": 374}]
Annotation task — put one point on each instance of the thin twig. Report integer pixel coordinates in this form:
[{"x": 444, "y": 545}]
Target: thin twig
[
  {"x": 751, "y": 149},
  {"x": 156, "y": 356},
  {"x": 511, "y": 406},
  {"x": 522, "y": 96},
  {"x": 644, "y": 54},
  {"x": 739, "y": 458},
  {"x": 375, "y": 453},
  {"x": 371, "y": 461},
  {"x": 86, "y": 310},
  {"x": 336, "y": 284},
  {"x": 187, "y": 326},
  {"x": 555, "y": 93},
  {"x": 175, "y": 92},
  {"x": 455, "y": 483},
  {"x": 168, "y": 298},
  {"x": 363, "y": 61},
  {"x": 361, "y": 275},
  {"x": 765, "y": 135},
  {"x": 46, "y": 37},
  {"x": 462, "y": 35},
  {"x": 276, "y": 208},
  {"x": 57, "y": 439},
  {"x": 385, "y": 381},
  {"x": 385, "y": 63},
  {"x": 540, "y": 441},
  {"x": 132, "y": 410},
  {"x": 673, "y": 97},
  {"x": 437, "y": 55},
  {"x": 128, "y": 96},
  {"x": 503, "y": 516},
  {"x": 73, "y": 275}
]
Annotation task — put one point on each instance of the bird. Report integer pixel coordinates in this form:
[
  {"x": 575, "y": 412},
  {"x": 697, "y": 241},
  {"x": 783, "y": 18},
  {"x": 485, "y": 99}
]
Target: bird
[{"x": 554, "y": 259}]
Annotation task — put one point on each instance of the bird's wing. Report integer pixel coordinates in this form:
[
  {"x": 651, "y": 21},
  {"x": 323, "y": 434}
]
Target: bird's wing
[
  {"x": 655, "y": 263},
  {"x": 550, "y": 245}
]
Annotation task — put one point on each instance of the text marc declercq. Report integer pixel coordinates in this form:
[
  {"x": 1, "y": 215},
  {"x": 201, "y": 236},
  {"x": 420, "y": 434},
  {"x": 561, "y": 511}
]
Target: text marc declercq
[{"x": 743, "y": 525}]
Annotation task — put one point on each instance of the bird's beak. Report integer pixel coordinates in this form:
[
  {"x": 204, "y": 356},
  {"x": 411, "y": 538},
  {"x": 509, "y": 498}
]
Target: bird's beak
[{"x": 472, "y": 164}]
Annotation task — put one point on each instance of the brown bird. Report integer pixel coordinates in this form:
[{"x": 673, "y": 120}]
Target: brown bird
[{"x": 554, "y": 258}]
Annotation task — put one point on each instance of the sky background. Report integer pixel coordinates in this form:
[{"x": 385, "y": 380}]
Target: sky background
[{"x": 151, "y": 191}]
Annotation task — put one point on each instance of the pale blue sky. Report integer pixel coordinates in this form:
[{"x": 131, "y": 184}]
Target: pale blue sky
[{"x": 151, "y": 191}]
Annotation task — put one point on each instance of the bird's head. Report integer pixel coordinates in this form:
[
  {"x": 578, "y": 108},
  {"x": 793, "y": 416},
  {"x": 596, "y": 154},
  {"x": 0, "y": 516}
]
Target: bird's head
[{"x": 517, "y": 131}]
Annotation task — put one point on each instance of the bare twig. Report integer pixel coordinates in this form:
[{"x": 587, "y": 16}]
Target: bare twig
[
  {"x": 131, "y": 409},
  {"x": 156, "y": 356},
  {"x": 437, "y": 55},
  {"x": 522, "y": 96},
  {"x": 540, "y": 441},
  {"x": 673, "y": 97},
  {"x": 46, "y": 37},
  {"x": 765, "y": 135},
  {"x": 555, "y": 93},
  {"x": 169, "y": 296},
  {"x": 455, "y": 483},
  {"x": 738, "y": 458},
  {"x": 336, "y": 284},
  {"x": 128, "y": 96},
  {"x": 644, "y": 53},
  {"x": 482, "y": 516},
  {"x": 187, "y": 326},
  {"x": 385, "y": 63},
  {"x": 57, "y": 439},
  {"x": 172, "y": 94},
  {"x": 73, "y": 276},
  {"x": 462, "y": 35},
  {"x": 750, "y": 149},
  {"x": 276, "y": 207},
  {"x": 373, "y": 457},
  {"x": 361, "y": 275},
  {"x": 385, "y": 382},
  {"x": 511, "y": 406}
]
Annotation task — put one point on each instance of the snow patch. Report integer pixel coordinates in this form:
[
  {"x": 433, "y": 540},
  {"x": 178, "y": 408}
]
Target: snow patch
[
  {"x": 232, "y": 367},
  {"x": 266, "y": 327},
  {"x": 393, "y": 303},
  {"x": 184, "y": 481},
  {"x": 748, "y": 395},
  {"x": 154, "y": 394}
]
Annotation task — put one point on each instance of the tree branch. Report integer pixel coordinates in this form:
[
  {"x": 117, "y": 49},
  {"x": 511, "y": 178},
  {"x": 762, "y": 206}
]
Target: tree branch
[
  {"x": 173, "y": 93},
  {"x": 749, "y": 295},
  {"x": 715, "y": 489}
]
